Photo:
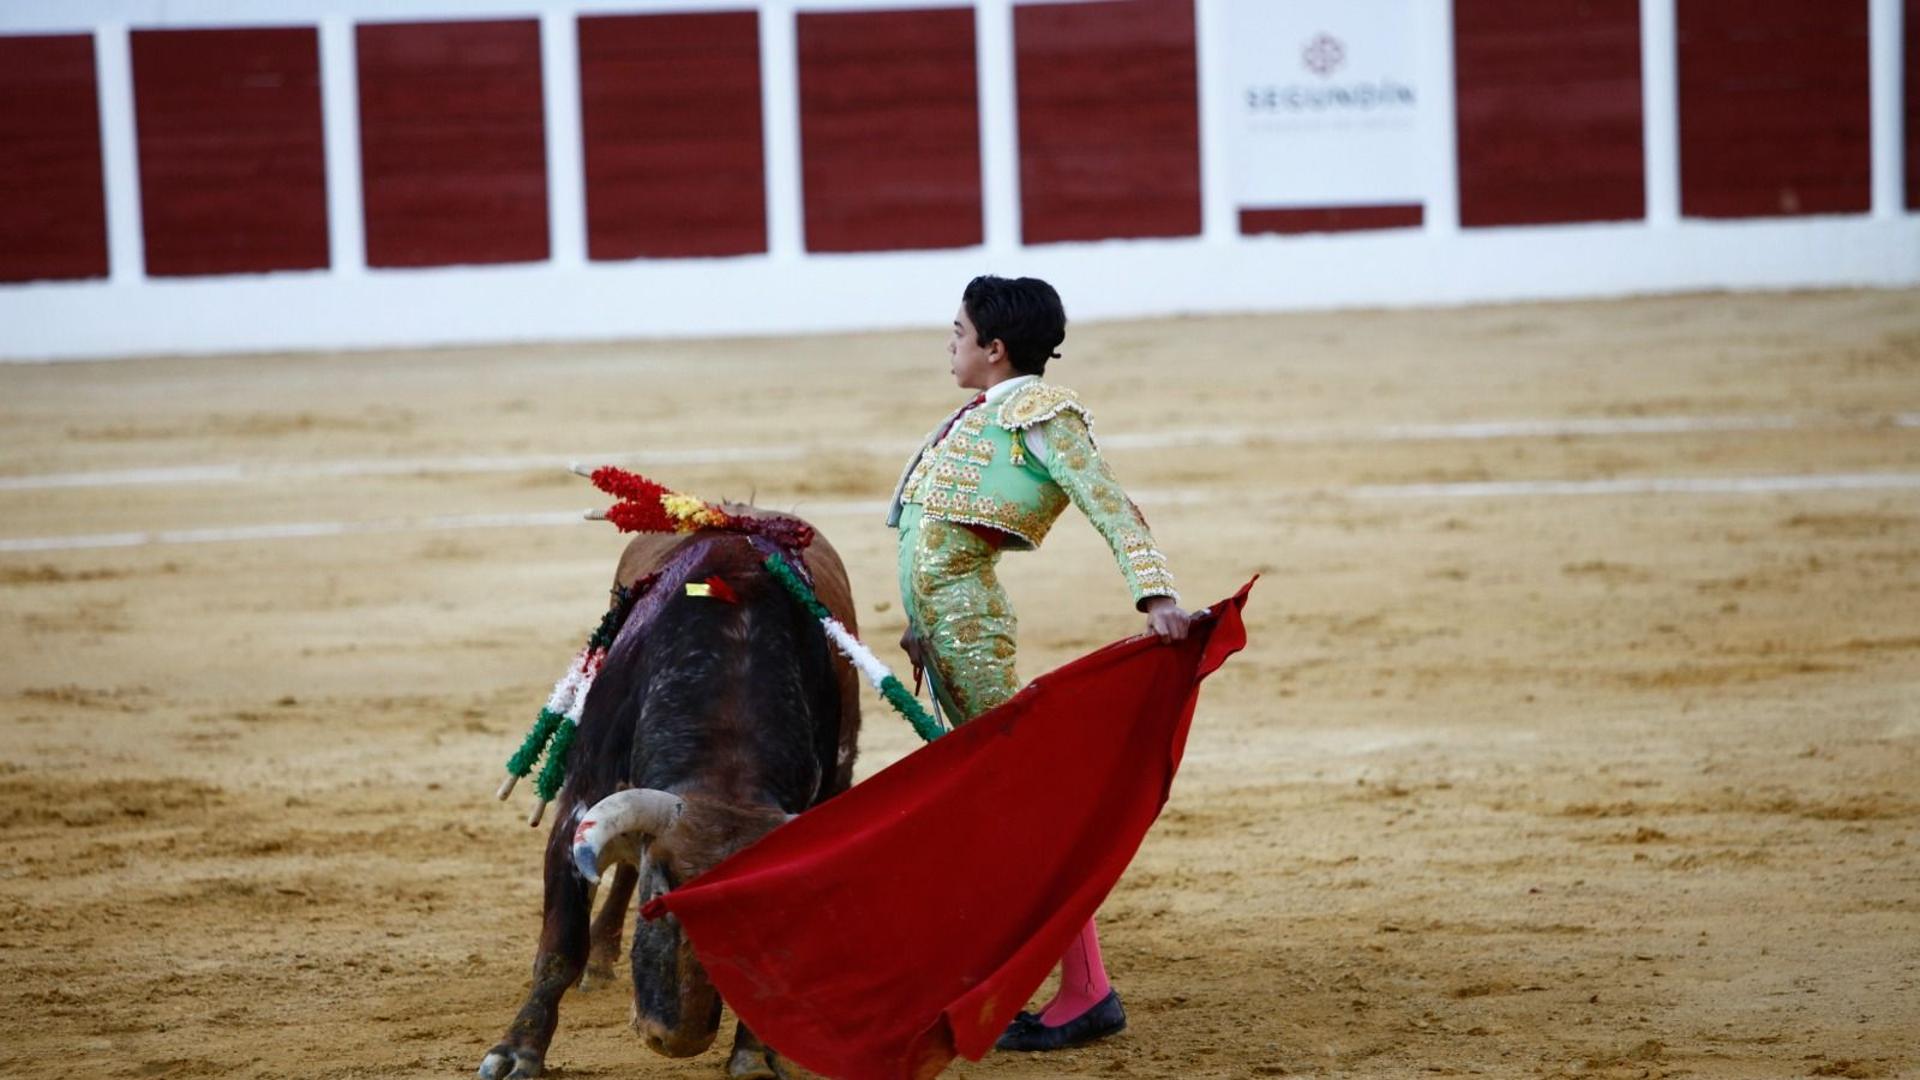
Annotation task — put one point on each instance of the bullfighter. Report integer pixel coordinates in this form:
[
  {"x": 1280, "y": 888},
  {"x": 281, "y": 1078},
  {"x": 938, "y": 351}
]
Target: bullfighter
[{"x": 993, "y": 477}]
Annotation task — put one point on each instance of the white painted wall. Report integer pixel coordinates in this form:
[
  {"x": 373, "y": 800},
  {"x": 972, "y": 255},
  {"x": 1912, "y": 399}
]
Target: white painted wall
[{"x": 788, "y": 290}]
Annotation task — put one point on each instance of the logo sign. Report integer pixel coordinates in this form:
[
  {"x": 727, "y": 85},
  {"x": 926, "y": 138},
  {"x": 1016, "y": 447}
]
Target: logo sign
[
  {"x": 1327, "y": 102},
  {"x": 1324, "y": 54}
]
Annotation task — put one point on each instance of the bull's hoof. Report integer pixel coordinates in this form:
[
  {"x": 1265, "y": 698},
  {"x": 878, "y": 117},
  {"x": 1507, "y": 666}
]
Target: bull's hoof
[
  {"x": 504, "y": 1062},
  {"x": 760, "y": 1064},
  {"x": 752, "y": 1064},
  {"x": 596, "y": 977}
]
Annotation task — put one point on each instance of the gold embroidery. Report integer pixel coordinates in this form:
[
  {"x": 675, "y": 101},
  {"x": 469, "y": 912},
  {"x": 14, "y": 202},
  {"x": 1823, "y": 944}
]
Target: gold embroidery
[
  {"x": 1029, "y": 527},
  {"x": 959, "y": 481},
  {"x": 958, "y": 477},
  {"x": 1035, "y": 402},
  {"x": 979, "y": 451},
  {"x": 919, "y": 473},
  {"x": 965, "y": 622}
]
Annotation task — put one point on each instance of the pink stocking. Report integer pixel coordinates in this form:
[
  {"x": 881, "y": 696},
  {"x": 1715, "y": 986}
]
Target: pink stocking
[{"x": 1083, "y": 980}]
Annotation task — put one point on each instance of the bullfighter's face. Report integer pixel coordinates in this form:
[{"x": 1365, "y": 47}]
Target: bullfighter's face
[{"x": 975, "y": 367}]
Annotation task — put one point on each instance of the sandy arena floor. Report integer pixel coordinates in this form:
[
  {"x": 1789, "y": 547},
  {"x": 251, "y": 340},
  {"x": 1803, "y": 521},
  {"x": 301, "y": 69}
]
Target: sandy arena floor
[{"x": 1612, "y": 778}]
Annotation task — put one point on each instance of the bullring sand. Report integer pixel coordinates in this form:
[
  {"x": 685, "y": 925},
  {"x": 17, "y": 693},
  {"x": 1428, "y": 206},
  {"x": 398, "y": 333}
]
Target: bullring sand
[{"x": 1579, "y": 734}]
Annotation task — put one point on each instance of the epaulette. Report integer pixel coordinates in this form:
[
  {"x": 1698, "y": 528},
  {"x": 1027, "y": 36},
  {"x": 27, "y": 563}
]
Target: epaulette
[{"x": 1038, "y": 401}]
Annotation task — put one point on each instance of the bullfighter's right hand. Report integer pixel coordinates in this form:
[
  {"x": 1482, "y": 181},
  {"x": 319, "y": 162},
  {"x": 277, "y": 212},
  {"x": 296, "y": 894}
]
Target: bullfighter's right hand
[{"x": 1168, "y": 619}]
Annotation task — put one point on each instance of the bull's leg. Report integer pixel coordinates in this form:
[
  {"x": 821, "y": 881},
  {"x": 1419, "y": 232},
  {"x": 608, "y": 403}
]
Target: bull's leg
[
  {"x": 561, "y": 958},
  {"x": 607, "y": 928}
]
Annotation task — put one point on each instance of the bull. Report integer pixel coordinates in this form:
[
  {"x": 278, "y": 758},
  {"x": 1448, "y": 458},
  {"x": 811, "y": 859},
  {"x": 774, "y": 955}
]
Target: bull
[{"x": 719, "y": 714}]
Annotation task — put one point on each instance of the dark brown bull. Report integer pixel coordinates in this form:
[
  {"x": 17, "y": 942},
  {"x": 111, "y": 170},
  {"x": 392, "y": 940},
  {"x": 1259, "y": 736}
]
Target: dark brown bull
[{"x": 711, "y": 724}]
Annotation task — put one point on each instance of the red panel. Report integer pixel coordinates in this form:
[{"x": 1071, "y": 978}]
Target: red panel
[
  {"x": 452, "y": 143},
  {"x": 1549, "y": 111},
  {"x": 1912, "y": 52},
  {"x": 1330, "y": 219},
  {"x": 233, "y": 174},
  {"x": 670, "y": 115},
  {"x": 53, "y": 211},
  {"x": 889, "y": 130},
  {"x": 1773, "y": 107},
  {"x": 1109, "y": 120}
]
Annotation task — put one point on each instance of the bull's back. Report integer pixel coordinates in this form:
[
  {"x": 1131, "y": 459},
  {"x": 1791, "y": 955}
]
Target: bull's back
[{"x": 647, "y": 553}]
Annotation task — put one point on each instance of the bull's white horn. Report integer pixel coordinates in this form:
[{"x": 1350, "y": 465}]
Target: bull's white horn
[
  {"x": 611, "y": 831},
  {"x": 578, "y": 469},
  {"x": 596, "y": 515}
]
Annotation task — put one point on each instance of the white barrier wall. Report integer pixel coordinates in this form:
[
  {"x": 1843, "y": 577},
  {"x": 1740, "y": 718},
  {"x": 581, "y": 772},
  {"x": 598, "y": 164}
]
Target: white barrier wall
[{"x": 787, "y": 288}]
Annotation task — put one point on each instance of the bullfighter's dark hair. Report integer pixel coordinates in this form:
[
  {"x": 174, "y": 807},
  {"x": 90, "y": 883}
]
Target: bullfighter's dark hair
[{"x": 1024, "y": 314}]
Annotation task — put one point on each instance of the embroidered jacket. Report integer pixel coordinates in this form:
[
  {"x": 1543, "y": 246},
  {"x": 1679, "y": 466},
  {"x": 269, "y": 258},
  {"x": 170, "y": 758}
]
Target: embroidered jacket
[{"x": 1015, "y": 462}]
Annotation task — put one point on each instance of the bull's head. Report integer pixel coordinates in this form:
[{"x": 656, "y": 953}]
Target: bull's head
[{"x": 672, "y": 840}]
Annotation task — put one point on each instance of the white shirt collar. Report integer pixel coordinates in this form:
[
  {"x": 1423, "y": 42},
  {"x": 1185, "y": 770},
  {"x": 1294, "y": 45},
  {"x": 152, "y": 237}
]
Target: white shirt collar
[{"x": 998, "y": 391}]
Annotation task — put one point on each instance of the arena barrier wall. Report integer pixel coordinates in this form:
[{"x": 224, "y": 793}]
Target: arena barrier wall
[{"x": 206, "y": 176}]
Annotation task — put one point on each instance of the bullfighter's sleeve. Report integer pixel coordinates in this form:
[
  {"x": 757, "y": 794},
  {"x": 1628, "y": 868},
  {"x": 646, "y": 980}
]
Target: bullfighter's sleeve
[{"x": 1076, "y": 465}]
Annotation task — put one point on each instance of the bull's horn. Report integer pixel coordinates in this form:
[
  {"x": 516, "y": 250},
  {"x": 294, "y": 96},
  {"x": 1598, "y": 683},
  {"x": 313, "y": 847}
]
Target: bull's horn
[
  {"x": 610, "y": 832},
  {"x": 578, "y": 469}
]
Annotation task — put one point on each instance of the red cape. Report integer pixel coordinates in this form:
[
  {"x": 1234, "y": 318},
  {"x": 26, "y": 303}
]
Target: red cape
[{"x": 879, "y": 934}]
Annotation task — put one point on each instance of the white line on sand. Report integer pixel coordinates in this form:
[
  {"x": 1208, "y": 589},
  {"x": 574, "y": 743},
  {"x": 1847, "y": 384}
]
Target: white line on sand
[
  {"x": 268, "y": 471},
  {"x": 291, "y": 531},
  {"x": 1653, "y": 485},
  {"x": 1645, "y": 485},
  {"x": 250, "y": 472},
  {"x": 1492, "y": 429}
]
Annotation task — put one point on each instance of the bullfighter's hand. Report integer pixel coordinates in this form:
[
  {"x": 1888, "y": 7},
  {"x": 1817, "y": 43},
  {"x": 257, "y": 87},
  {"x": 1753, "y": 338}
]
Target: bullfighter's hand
[
  {"x": 1166, "y": 618},
  {"x": 910, "y": 643}
]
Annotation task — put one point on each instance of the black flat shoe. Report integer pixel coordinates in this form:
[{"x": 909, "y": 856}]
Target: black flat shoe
[{"x": 1027, "y": 1032}]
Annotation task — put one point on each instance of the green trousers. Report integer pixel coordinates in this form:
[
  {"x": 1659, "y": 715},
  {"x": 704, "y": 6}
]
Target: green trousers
[{"x": 955, "y": 605}]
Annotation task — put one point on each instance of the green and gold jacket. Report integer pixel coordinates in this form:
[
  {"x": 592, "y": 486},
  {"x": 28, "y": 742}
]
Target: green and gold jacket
[{"x": 983, "y": 471}]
